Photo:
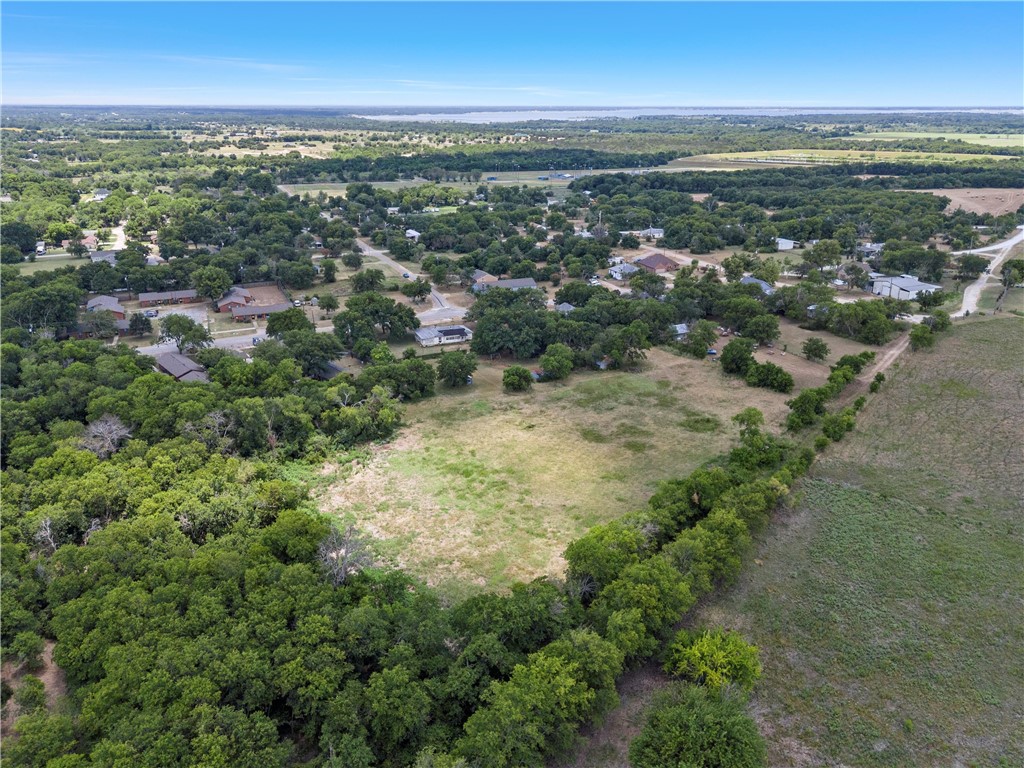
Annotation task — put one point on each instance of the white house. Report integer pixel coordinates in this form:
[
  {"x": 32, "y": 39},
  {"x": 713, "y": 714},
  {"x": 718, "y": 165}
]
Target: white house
[
  {"x": 622, "y": 271},
  {"x": 412, "y": 234},
  {"x": 784, "y": 244},
  {"x": 654, "y": 232},
  {"x": 443, "y": 334}
]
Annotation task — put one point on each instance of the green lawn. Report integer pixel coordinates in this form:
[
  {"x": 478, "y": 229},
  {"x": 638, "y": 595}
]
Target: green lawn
[{"x": 45, "y": 265}]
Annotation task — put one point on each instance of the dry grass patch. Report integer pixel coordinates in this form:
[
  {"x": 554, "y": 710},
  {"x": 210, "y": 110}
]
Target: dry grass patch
[{"x": 484, "y": 489}]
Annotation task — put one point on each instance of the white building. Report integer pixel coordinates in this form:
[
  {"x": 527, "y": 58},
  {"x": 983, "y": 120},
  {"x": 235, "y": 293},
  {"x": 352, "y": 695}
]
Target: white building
[
  {"x": 784, "y": 244},
  {"x": 443, "y": 334},
  {"x": 902, "y": 287}
]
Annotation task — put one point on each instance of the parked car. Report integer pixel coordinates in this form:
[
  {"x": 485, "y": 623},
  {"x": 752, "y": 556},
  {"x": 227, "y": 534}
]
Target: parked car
[
  {"x": 405, "y": 275},
  {"x": 297, "y": 303},
  {"x": 151, "y": 312}
]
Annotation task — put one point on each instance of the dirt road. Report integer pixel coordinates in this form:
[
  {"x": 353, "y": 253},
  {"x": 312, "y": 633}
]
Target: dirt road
[{"x": 1000, "y": 251}]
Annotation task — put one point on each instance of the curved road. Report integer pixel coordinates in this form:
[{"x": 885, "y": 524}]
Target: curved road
[
  {"x": 442, "y": 311},
  {"x": 1001, "y": 250}
]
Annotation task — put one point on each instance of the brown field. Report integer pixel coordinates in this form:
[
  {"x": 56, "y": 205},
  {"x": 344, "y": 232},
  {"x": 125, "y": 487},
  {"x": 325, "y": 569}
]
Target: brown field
[
  {"x": 267, "y": 294},
  {"x": 990, "y": 200}
]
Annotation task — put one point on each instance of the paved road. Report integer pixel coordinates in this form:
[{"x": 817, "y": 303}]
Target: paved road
[
  {"x": 1000, "y": 251},
  {"x": 442, "y": 311}
]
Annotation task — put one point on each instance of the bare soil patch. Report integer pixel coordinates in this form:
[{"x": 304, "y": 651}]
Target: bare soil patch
[
  {"x": 989, "y": 200},
  {"x": 267, "y": 294}
]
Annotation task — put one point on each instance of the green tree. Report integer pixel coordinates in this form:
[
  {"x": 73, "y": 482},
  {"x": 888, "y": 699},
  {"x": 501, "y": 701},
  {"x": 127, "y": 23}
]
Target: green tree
[
  {"x": 770, "y": 376},
  {"x": 30, "y": 695},
  {"x": 211, "y": 282},
  {"x": 330, "y": 270},
  {"x": 534, "y": 714},
  {"x": 101, "y": 324},
  {"x": 313, "y": 350},
  {"x": 328, "y": 303},
  {"x": 139, "y": 324},
  {"x": 825, "y": 253},
  {"x": 352, "y": 260},
  {"x": 970, "y": 266},
  {"x": 455, "y": 368},
  {"x": 185, "y": 332},
  {"x": 417, "y": 290},
  {"x": 367, "y": 280},
  {"x": 27, "y": 649},
  {"x": 692, "y": 726},
  {"x": 516, "y": 378},
  {"x": 737, "y": 357},
  {"x": 940, "y": 321},
  {"x": 762, "y": 329},
  {"x": 702, "y": 337},
  {"x": 557, "y": 361},
  {"x": 399, "y": 708},
  {"x": 293, "y": 319},
  {"x": 10, "y": 254},
  {"x": 815, "y": 349},
  {"x": 41, "y": 738}
]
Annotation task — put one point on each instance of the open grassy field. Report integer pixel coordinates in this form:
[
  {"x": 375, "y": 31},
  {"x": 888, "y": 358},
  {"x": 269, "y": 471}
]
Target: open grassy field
[
  {"x": 726, "y": 160},
  {"x": 48, "y": 264},
  {"x": 482, "y": 488},
  {"x": 984, "y": 139},
  {"x": 888, "y": 601}
]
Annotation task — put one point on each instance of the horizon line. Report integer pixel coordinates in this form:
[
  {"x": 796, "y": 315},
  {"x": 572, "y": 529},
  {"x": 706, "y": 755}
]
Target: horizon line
[{"x": 514, "y": 107}]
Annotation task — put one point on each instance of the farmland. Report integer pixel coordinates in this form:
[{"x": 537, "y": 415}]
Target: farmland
[
  {"x": 983, "y": 139},
  {"x": 725, "y": 160},
  {"x": 983, "y": 200}
]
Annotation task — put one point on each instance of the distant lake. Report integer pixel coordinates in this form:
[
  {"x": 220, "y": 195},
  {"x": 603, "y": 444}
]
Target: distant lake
[{"x": 526, "y": 115}]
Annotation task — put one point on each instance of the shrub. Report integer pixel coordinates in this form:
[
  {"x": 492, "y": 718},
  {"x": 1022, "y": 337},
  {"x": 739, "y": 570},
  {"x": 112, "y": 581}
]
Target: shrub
[
  {"x": 770, "y": 376},
  {"x": 516, "y": 379},
  {"x": 821, "y": 443},
  {"x": 921, "y": 337},
  {"x": 714, "y": 659},
  {"x": 855, "y": 362},
  {"x": 690, "y": 726},
  {"x": 30, "y": 695},
  {"x": 835, "y": 425}
]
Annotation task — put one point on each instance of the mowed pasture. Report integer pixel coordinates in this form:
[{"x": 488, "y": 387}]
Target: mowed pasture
[
  {"x": 482, "y": 488},
  {"x": 984, "y": 139},
  {"x": 888, "y": 600}
]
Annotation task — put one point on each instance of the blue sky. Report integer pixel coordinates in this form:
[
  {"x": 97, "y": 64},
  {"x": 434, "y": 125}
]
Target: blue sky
[{"x": 523, "y": 54}]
